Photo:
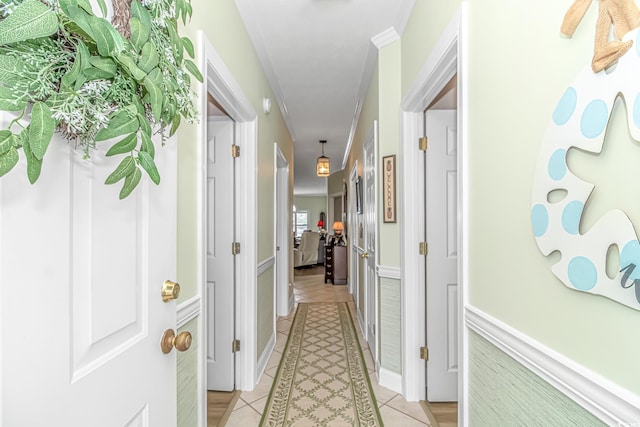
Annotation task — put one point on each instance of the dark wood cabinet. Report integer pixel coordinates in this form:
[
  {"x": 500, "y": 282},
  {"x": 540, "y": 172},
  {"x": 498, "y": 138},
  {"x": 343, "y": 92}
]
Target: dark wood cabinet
[{"x": 335, "y": 264}]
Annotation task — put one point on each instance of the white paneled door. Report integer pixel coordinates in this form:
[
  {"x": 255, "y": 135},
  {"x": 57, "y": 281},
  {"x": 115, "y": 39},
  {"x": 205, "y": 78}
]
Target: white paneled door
[
  {"x": 442, "y": 258},
  {"x": 220, "y": 259},
  {"x": 81, "y": 274},
  {"x": 370, "y": 208}
]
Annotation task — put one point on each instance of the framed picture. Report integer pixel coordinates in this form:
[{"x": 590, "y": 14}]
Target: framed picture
[
  {"x": 359, "y": 195},
  {"x": 389, "y": 188}
]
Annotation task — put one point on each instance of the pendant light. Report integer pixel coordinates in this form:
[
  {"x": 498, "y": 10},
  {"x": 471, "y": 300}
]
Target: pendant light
[{"x": 322, "y": 165}]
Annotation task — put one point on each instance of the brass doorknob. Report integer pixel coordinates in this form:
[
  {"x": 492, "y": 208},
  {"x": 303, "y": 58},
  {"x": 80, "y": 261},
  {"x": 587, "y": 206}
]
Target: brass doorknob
[
  {"x": 365, "y": 255},
  {"x": 170, "y": 290},
  {"x": 182, "y": 342}
]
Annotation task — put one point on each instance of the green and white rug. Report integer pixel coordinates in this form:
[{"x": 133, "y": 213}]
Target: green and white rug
[{"x": 322, "y": 379}]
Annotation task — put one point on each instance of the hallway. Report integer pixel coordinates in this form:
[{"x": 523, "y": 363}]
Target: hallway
[{"x": 309, "y": 287}]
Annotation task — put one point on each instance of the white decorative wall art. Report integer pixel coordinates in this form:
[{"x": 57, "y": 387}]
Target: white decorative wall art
[{"x": 580, "y": 120}]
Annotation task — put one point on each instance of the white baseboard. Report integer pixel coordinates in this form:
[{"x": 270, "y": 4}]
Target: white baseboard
[
  {"x": 390, "y": 380},
  {"x": 187, "y": 311},
  {"x": 606, "y": 400},
  {"x": 264, "y": 358}
]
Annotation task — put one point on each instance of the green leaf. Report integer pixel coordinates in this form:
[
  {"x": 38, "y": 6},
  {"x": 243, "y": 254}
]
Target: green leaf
[
  {"x": 6, "y": 141},
  {"x": 130, "y": 182},
  {"x": 8, "y": 160},
  {"x": 188, "y": 46},
  {"x": 120, "y": 124},
  {"x": 128, "y": 62},
  {"x": 147, "y": 163},
  {"x": 147, "y": 144},
  {"x": 10, "y": 69},
  {"x": 139, "y": 33},
  {"x": 97, "y": 74},
  {"x": 145, "y": 127},
  {"x": 8, "y": 101},
  {"x": 176, "y": 41},
  {"x": 81, "y": 19},
  {"x": 149, "y": 57},
  {"x": 41, "y": 129},
  {"x": 102, "y": 36},
  {"x": 34, "y": 164},
  {"x": 140, "y": 12},
  {"x": 154, "y": 97},
  {"x": 69, "y": 78},
  {"x": 31, "y": 19},
  {"x": 127, "y": 144},
  {"x": 103, "y": 7},
  {"x": 193, "y": 69},
  {"x": 175, "y": 123},
  {"x": 105, "y": 64},
  {"x": 126, "y": 167}
]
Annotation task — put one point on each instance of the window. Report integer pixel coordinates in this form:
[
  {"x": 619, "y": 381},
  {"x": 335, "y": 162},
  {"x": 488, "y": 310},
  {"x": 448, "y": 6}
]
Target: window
[{"x": 300, "y": 222}]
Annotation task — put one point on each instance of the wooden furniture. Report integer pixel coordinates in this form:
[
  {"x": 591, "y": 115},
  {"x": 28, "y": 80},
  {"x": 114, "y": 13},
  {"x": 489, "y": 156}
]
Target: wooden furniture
[{"x": 335, "y": 264}]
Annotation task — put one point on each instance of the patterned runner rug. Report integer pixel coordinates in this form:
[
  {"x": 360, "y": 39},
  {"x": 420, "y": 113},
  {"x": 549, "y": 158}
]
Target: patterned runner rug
[{"x": 322, "y": 379}]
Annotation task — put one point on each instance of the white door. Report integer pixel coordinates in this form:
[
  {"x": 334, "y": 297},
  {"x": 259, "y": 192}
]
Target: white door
[
  {"x": 370, "y": 208},
  {"x": 220, "y": 259},
  {"x": 284, "y": 292},
  {"x": 442, "y": 258},
  {"x": 81, "y": 274}
]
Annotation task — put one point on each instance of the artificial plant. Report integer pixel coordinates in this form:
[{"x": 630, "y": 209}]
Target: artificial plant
[{"x": 64, "y": 69}]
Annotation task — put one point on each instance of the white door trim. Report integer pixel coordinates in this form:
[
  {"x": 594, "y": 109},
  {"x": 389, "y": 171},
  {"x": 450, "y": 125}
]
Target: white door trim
[
  {"x": 442, "y": 64},
  {"x": 223, "y": 86},
  {"x": 282, "y": 231},
  {"x": 352, "y": 232}
]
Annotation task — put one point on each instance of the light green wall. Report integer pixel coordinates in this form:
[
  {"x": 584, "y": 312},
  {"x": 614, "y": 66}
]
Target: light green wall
[
  {"x": 428, "y": 19},
  {"x": 519, "y": 66},
  {"x": 334, "y": 184},
  {"x": 314, "y": 205},
  {"x": 225, "y": 30},
  {"x": 187, "y": 377},
  {"x": 265, "y": 315},
  {"x": 388, "y": 143},
  {"x": 503, "y": 392}
]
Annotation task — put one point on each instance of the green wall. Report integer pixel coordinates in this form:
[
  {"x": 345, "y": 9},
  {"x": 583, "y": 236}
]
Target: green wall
[
  {"x": 313, "y": 205},
  {"x": 265, "y": 315},
  {"x": 513, "y": 90}
]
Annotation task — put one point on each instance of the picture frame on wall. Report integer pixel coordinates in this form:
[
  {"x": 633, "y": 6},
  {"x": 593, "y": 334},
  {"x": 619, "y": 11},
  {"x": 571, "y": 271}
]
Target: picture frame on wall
[
  {"x": 389, "y": 188},
  {"x": 359, "y": 195}
]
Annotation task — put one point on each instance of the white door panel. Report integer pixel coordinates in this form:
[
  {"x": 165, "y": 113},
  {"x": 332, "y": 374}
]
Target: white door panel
[
  {"x": 370, "y": 209},
  {"x": 220, "y": 262},
  {"x": 81, "y": 310},
  {"x": 442, "y": 261}
]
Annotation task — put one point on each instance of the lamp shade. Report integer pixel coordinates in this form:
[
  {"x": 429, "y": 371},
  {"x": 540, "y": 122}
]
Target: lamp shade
[
  {"x": 322, "y": 166},
  {"x": 320, "y": 224},
  {"x": 338, "y": 227}
]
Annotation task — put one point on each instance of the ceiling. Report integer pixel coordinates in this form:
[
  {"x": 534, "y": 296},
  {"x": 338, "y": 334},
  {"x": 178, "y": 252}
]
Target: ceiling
[{"x": 318, "y": 57}]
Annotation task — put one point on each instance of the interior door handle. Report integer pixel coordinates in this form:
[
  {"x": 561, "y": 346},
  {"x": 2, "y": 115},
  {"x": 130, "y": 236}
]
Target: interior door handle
[{"x": 365, "y": 255}]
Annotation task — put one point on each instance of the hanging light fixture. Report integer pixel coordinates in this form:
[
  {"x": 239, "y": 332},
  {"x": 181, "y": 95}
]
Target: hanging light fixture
[{"x": 322, "y": 165}]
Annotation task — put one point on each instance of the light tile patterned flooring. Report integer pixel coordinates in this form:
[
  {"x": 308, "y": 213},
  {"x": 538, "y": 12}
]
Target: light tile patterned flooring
[{"x": 394, "y": 409}]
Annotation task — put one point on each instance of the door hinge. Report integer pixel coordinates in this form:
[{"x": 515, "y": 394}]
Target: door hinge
[
  {"x": 423, "y": 143},
  {"x": 235, "y": 151},
  {"x": 424, "y": 248},
  {"x": 235, "y": 248},
  {"x": 235, "y": 346},
  {"x": 424, "y": 353}
]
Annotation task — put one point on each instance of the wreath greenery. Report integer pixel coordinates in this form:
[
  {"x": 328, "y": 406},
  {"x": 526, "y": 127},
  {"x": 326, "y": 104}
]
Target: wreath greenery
[{"x": 70, "y": 71}]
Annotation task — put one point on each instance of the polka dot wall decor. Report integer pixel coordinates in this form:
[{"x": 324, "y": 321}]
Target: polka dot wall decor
[{"x": 580, "y": 120}]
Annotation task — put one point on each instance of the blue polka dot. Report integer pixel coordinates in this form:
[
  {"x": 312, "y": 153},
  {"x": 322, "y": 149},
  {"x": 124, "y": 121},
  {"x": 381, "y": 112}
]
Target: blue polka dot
[
  {"x": 582, "y": 273},
  {"x": 594, "y": 118},
  {"x": 631, "y": 255},
  {"x": 571, "y": 217},
  {"x": 540, "y": 220},
  {"x": 636, "y": 111},
  {"x": 557, "y": 166},
  {"x": 566, "y": 106}
]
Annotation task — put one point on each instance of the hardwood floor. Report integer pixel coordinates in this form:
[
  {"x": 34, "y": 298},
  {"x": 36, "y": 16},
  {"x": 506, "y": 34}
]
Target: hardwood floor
[
  {"x": 314, "y": 270},
  {"x": 441, "y": 414},
  {"x": 219, "y": 406}
]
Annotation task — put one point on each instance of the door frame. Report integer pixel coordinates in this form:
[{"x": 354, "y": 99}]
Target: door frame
[
  {"x": 352, "y": 234},
  {"x": 219, "y": 81},
  {"x": 282, "y": 232},
  {"x": 446, "y": 60}
]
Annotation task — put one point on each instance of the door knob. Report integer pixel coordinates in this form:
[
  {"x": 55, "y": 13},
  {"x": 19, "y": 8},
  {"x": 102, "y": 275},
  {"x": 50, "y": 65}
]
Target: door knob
[
  {"x": 365, "y": 255},
  {"x": 182, "y": 342},
  {"x": 170, "y": 290}
]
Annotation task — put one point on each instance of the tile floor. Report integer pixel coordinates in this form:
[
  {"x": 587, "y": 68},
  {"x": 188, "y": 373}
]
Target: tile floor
[{"x": 394, "y": 409}]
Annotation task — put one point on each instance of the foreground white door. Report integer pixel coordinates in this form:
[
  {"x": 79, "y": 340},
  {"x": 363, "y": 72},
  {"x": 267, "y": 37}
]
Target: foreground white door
[
  {"x": 442, "y": 259},
  {"x": 81, "y": 274},
  {"x": 220, "y": 260},
  {"x": 370, "y": 208}
]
